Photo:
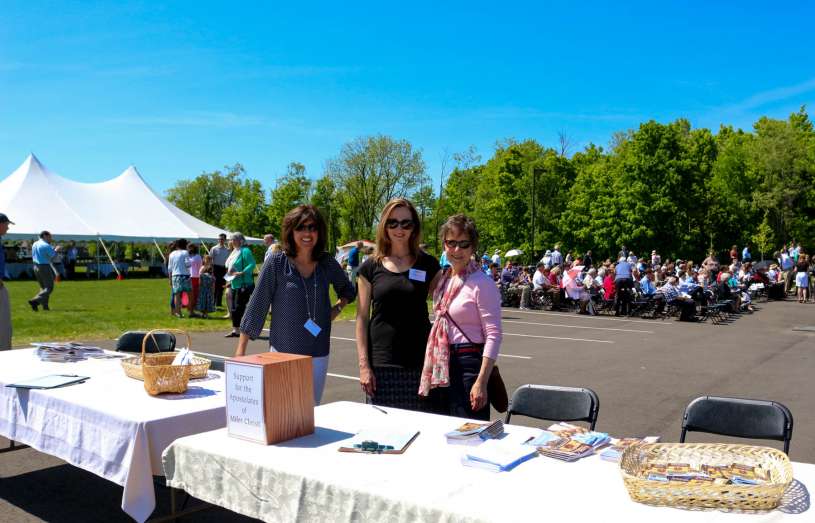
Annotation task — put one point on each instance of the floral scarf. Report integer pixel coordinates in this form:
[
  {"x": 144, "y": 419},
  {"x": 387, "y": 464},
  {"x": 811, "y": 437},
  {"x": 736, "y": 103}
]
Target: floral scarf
[{"x": 436, "y": 369}]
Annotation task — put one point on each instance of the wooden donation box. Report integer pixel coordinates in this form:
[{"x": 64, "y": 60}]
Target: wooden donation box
[{"x": 270, "y": 397}]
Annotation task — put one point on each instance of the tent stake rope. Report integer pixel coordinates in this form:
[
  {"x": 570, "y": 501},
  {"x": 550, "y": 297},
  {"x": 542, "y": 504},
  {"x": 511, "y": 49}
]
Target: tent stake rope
[{"x": 115, "y": 268}]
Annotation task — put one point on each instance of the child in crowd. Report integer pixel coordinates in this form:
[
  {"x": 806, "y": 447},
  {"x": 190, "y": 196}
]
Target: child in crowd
[{"x": 206, "y": 288}]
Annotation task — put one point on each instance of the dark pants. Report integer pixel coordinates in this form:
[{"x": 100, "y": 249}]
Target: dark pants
[
  {"x": 623, "y": 295},
  {"x": 45, "y": 277},
  {"x": 399, "y": 387},
  {"x": 219, "y": 271},
  {"x": 70, "y": 269},
  {"x": 465, "y": 364},
  {"x": 240, "y": 298}
]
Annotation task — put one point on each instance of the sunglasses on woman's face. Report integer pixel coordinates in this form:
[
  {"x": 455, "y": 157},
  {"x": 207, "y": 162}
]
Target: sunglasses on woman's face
[
  {"x": 310, "y": 227},
  {"x": 462, "y": 244},
  {"x": 404, "y": 224}
]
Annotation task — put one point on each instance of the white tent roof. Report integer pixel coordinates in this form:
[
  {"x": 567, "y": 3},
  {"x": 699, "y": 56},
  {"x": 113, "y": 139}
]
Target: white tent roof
[{"x": 123, "y": 208}]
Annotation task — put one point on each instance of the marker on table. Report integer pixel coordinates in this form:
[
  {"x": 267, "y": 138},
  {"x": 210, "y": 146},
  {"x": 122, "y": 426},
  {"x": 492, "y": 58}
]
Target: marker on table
[{"x": 383, "y": 411}]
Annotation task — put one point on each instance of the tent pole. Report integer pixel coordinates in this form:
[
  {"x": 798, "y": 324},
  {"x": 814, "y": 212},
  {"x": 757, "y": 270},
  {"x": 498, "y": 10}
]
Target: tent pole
[
  {"x": 115, "y": 268},
  {"x": 204, "y": 244},
  {"x": 161, "y": 253},
  {"x": 98, "y": 263}
]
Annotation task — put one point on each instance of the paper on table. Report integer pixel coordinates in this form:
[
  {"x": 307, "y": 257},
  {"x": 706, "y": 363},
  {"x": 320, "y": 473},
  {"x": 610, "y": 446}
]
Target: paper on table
[{"x": 497, "y": 455}]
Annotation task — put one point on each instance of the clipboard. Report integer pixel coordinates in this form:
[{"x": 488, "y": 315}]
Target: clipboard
[
  {"x": 51, "y": 381},
  {"x": 380, "y": 441}
]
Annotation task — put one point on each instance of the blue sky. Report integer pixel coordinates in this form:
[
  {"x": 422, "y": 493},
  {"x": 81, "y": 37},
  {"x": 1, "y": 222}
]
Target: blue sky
[{"x": 185, "y": 87}]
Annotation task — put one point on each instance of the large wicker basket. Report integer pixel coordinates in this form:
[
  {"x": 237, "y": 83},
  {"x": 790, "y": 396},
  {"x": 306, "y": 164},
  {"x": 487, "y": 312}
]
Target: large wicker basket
[
  {"x": 636, "y": 460},
  {"x": 158, "y": 372}
]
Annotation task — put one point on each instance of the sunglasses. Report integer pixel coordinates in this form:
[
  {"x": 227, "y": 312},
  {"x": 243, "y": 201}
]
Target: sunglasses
[
  {"x": 462, "y": 244},
  {"x": 310, "y": 227},
  {"x": 404, "y": 224}
]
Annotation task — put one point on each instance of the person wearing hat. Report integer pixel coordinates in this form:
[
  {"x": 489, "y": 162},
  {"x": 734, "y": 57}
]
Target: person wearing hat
[
  {"x": 43, "y": 254},
  {"x": 5, "y": 306},
  {"x": 496, "y": 257}
]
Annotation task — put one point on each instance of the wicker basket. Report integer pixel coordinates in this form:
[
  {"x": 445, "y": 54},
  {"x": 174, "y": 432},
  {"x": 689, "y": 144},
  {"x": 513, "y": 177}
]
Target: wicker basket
[
  {"x": 636, "y": 460},
  {"x": 158, "y": 372}
]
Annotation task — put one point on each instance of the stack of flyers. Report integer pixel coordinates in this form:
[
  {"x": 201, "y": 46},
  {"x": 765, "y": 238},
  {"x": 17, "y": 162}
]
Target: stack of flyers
[
  {"x": 618, "y": 445},
  {"x": 735, "y": 474},
  {"x": 476, "y": 431},
  {"x": 66, "y": 351},
  {"x": 566, "y": 449},
  {"x": 497, "y": 455},
  {"x": 568, "y": 442}
]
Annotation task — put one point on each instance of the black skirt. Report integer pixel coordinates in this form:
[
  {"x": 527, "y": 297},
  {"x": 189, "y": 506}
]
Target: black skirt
[{"x": 399, "y": 387}]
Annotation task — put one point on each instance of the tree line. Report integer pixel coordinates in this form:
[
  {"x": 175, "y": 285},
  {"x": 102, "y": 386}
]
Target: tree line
[{"x": 669, "y": 187}]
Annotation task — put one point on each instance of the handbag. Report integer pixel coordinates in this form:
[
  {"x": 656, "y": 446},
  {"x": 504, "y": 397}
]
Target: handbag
[{"x": 496, "y": 389}]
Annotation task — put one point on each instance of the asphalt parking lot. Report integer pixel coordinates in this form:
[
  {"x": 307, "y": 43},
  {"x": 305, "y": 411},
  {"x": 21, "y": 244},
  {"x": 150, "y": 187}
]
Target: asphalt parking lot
[{"x": 644, "y": 371}]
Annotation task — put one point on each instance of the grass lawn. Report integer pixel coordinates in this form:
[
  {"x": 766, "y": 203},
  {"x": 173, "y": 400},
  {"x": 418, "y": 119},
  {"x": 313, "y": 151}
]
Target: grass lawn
[{"x": 103, "y": 309}]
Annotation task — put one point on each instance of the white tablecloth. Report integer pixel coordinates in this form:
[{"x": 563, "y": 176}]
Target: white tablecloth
[
  {"x": 307, "y": 479},
  {"x": 108, "y": 425}
]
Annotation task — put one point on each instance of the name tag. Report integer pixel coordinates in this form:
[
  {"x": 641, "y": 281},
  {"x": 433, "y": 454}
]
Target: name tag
[
  {"x": 312, "y": 327},
  {"x": 416, "y": 274}
]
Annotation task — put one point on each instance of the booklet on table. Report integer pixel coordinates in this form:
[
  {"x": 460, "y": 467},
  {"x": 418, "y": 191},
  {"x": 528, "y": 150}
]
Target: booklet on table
[
  {"x": 498, "y": 455},
  {"x": 476, "y": 431}
]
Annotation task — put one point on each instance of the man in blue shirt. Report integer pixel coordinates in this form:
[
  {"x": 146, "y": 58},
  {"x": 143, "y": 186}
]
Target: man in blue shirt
[
  {"x": 647, "y": 287},
  {"x": 353, "y": 261},
  {"x": 745, "y": 254},
  {"x": 42, "y": 253},
  {"x": 5, "y": 306}
]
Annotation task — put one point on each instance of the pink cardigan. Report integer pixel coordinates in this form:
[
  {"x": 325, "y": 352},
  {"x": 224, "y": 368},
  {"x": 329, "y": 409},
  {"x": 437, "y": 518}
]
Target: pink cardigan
[{"x": 477, "y": 310}]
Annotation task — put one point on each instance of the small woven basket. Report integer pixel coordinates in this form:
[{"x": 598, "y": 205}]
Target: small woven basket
[
  {"x": 158, "y": 372},
  {"x": 637, "y": 459}
]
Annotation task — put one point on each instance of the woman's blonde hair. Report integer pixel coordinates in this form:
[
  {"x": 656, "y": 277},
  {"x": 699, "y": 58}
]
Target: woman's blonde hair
[{"x": 383, "y": 243}]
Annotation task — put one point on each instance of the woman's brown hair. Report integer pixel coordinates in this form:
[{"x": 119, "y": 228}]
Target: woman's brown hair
[
  {"x": 464, "y": 224},
  {"x": 383, "y": 243},
  {"x": 295, "y": 217}
]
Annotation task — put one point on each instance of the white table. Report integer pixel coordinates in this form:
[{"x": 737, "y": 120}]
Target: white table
[
  {"x": 108, "y": 425},
  {"x": 307, "y": 479}
]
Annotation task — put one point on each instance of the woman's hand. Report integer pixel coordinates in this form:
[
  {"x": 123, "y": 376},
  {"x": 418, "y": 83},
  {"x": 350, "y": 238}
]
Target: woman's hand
[
  {"x": 367, "y": 380},
  {"x": 478, "y": 395}
]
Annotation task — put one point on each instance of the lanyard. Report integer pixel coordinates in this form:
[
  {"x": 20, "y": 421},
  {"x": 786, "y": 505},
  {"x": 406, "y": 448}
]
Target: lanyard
[{"x": 308, "y": 307}]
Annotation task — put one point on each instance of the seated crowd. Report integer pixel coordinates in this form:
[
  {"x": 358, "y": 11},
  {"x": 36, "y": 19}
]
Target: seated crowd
[{"x": 648, "y": 286}]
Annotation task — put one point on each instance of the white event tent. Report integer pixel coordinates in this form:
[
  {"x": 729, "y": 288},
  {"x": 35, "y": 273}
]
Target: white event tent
[{"x": 124, "y": 208}]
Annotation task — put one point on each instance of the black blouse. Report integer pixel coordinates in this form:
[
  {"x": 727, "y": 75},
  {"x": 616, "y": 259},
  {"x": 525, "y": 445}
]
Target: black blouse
[{"x": 400, "y": 324}]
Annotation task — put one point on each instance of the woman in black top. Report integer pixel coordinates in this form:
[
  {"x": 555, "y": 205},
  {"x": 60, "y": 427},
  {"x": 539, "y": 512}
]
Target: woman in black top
[{"x": 392, "y": 316}]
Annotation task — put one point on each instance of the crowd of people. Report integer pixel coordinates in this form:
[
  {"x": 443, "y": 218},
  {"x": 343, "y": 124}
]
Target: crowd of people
[{"x": 633, "y": 284}]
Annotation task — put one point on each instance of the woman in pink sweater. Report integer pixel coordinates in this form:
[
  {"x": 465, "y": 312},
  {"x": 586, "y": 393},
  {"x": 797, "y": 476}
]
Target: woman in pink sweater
[{"x": 466, "y": 335}]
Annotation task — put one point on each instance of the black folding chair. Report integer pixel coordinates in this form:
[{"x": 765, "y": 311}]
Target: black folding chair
[
  {"x": 131, "y": 341},
  {"x": 741, "y": 418},
  {"x": 554, "y": 403}
]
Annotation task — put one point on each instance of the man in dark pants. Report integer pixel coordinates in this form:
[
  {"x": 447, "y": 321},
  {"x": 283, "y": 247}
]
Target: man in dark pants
[
  {"x": 623, "y": 285},
  {"x": 42, "y": 254},
  {"x": 219, "y": 255}
]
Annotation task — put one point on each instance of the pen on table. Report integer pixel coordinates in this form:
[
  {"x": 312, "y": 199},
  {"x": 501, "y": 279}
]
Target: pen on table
[
  {"x": 530, "y": 438},
  {"x": 383, "y": 411}
]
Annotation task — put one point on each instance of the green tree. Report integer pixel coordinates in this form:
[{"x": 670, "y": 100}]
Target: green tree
[
  {"x": 371, "y": 171},
  {"x": 325, "y": 199},
  {"x": 249, "y": 212},
  {"x": 291, "y": 190},
  {"x": 208, "y": 194}
]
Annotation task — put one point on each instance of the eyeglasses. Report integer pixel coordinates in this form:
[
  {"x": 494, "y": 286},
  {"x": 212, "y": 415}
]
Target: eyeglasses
[
  {"x": 404, "y": 224},
  {"x": 462, "y": 244},
  {"x": 310, "y": 227}
]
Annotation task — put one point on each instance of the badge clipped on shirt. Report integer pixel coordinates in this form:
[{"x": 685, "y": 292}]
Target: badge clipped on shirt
[
  {"x": 312, "y": 327},
  {"x": 418, "y": 275}
]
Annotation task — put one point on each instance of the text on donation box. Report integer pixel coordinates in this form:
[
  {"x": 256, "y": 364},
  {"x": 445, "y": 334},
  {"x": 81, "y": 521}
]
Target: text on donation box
[{"x": 244, "y": 401}]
